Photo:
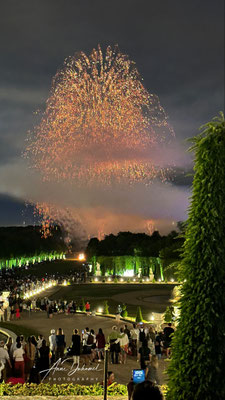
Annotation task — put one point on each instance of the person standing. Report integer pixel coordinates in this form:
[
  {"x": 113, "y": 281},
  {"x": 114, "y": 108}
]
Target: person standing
[
  {"x": 151, "y": 372},
  {"x": 60, "y": 344},
  {"x": 50, "y": 310},
  {"x": 43, "y": 362},
  {"x": 119, "y": 309},
  {"x": 144, "y": 355},
  {"x": 9, "y": 344},
  {"x": 142, "y": 336},
  {"x": 123, "y": 341},
  {"x": 52, "y": 345},
  {"x": 168, "y": 331},
  {"x": 47, "y": 309},
  {"x": 29, "y": 358},
  {"x": 13, "y": 346},
  {"x": 19, "y": 360},
  {"x": 4, "y": 358},
  {"x": 114, "y": 345},
  {"x": 74, "y": 307},
  {"x": 100, "y": 344},
  {"x": 158, "y": 346},
  {"x": 76, "y": 344},
  {"x": 134, "y": 334},
  {"x": 87, "y": 307},
  {"x": 22, "y": 341},
  {"x": 39, "y": 342},
  {"x": 127, "y": 331},
  {"x": 17, "y": 311}
]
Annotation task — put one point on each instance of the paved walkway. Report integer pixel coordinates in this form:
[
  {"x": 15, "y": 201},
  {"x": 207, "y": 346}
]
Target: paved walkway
[{"x": 39, "y": 321}]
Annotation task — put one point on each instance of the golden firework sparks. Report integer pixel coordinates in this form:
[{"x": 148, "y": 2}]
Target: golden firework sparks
[{"x": 99, "y": 124}]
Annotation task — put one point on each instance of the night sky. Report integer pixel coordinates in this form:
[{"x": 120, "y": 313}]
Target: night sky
[{"x": 178, "y": 47}]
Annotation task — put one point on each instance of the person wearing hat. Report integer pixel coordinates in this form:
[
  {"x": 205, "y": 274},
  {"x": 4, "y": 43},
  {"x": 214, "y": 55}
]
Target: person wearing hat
[
  {"x": 52, "y": 345},
  {"x": 4, "y": 357}
]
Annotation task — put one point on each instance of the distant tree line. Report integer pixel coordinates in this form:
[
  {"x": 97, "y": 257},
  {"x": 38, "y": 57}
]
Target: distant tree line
[
  {"x": 138, "y": 244},
  {"x": 28, "y": 241}
]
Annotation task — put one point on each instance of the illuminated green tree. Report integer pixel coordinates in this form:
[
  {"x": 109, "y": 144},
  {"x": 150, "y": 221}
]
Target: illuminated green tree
[
  {"x": 124, "y": 311},
  {"x": 106, "y": 307},
  {"x": 197, "y": 367},
  {"x": 139, "y": 317},
  {"x": 169, "y": 314}
]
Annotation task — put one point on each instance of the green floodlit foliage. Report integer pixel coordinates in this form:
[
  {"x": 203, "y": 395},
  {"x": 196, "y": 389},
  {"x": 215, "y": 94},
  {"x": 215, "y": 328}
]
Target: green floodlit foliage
[
  {"x": 124, "y": 311},
  {"x": 23, "y": 261},
  {"x": 106, "y": 307},
  {"x": 196, "y": 371},
  {"x": 169, "y": 314},
  {"x": 139, "y": 317},
  {"x": 65, "y": 389},
  {"x": 82, "y": 306},
  {"x": 132, "y": 251}
]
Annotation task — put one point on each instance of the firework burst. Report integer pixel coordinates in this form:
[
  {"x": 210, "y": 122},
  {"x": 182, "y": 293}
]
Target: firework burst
[{"x": 100, "y": 123}]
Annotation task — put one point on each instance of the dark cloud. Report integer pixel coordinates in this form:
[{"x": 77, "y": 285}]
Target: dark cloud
[{"x": 13, "y": 211}]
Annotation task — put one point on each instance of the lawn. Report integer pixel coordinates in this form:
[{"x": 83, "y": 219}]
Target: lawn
[
  {"x": 19, "y": 330},
  {"x": 96, "y": 293}
]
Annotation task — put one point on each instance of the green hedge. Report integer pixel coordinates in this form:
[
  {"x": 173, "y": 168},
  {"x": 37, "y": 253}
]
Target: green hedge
[{"x": 45, "y": 389}]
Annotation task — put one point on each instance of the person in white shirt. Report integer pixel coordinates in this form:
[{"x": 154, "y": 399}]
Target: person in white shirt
[
  {"x": 88, "y": 340},
  {"x": 52, "y": 345},
  {"x": 13, "y": 346},
  {"x": 134, "y": 334},
  {"x": 85, "y": 335},
  {"x": 19, "y": 360},
  {"x": 124, "y": 342},
  {"x": 4, "y": 357}
]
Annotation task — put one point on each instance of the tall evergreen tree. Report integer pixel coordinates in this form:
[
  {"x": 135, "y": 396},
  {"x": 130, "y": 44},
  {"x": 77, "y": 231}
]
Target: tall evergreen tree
[
  {"x": 197, "y": 368},
  {"x": 139, "y": 317}
]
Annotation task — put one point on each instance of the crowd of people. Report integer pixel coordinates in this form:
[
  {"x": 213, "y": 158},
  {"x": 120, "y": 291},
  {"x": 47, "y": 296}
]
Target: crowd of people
[
  {"x": 17, "y": 283},
  {"x": 29, "y": 359}
]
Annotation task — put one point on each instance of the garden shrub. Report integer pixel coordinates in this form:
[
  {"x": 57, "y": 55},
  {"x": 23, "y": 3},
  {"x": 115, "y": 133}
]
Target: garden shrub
[
  {"x": 82, "y": 308},
  {"x": 67, "y": 389},
  {"x": 106, "y": 307},
  {"x": 124, "y": 313},
  {"x": 169, "y": 314},
  {"x": 139, "y": 317}
]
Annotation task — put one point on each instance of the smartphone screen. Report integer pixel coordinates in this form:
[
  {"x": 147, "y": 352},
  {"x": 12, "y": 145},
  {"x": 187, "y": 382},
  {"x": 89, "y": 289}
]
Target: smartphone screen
[{"x": 138, "y": 375}]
